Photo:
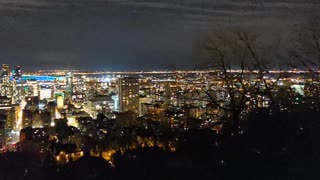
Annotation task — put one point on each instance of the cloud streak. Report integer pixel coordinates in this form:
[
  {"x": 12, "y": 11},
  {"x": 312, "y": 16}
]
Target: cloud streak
[
  {"x": 184, "y": 7},
  {"x": 112, "y": 33}
]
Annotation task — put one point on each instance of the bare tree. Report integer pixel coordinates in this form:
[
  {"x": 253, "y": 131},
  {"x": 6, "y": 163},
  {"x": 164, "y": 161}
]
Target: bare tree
[
  {"x": 267, "y": 75},
  {"x": 243, "y": 71},
  {"x": 306, "y": 53},
  {"x": 227, "y": 52}
]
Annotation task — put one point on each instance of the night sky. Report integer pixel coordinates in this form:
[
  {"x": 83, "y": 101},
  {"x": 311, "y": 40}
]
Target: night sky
[{"x": 129, "y": 34}]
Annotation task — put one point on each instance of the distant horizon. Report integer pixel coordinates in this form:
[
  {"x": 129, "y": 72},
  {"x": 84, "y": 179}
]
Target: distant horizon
[{"x": 293, "y": 70}]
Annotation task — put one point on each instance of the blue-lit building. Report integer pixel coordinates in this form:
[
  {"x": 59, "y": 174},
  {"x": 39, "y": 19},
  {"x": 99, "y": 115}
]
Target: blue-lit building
[{"x": 42, "y": 78}]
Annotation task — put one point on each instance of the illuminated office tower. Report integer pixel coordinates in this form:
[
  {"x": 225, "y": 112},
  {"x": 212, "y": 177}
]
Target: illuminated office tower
[
  {"x": 69, "y": 85},
  {"x": 6, "y": 87},
  {"x": 18, "y": 92},
  {"x": 17, "y": 86},
  {"x": 128, "y": 94},
  {"x": 5, "y": 72}
]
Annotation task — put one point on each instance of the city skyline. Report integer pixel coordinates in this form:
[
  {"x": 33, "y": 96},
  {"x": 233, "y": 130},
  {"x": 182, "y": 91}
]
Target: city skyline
[
  {"x": 159, "y": 89},
  {"x": 130, "y": 35}
]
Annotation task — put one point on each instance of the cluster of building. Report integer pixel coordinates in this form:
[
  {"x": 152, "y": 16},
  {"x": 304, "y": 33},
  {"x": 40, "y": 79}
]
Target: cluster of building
[{"x": 64, "y": 113}]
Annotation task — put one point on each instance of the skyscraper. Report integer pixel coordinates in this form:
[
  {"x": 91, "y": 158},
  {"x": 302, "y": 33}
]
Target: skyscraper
[
  {"x": 5, "y": 72},
  {"x": 69, "y": 85},
  {"x": 5, "y": 69},
  {"x": 128, "y": 94},
  {"x": 6, "y": 86}
]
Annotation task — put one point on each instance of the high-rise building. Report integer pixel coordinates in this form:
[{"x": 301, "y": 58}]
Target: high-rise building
[
  {"x": 128, "y": 94},
  {"x": 5, "y": 70},
  {"x": 5, "y": 75},
  {"x": 17, "y": 91},
  {"x": 17, "y": 73},
  {"x": 69, "y": 85}
]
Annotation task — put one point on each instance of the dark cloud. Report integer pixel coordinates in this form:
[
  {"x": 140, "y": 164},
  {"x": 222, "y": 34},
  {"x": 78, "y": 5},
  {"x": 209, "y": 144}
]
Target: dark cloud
[{"x": 128, "y": 34}]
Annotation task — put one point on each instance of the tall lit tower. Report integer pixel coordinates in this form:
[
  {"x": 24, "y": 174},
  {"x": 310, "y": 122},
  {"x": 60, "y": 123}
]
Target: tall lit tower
[
  {"x": 5, "y": 69},
  {"x": 69, "y": 85},
  {"x": 128, "y": 94},
  {"x": 5, "y": 72},
  {"x": 17, "y": 85},
  {"x": 6, "y": 87}
]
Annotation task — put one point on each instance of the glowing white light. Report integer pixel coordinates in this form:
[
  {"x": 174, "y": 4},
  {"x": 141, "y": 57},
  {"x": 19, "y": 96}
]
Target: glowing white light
[{"x": 107, "y": 79}]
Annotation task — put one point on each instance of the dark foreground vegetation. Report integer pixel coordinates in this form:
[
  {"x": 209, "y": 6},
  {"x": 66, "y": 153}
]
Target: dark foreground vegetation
[{"x": 283, "y": 146}]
